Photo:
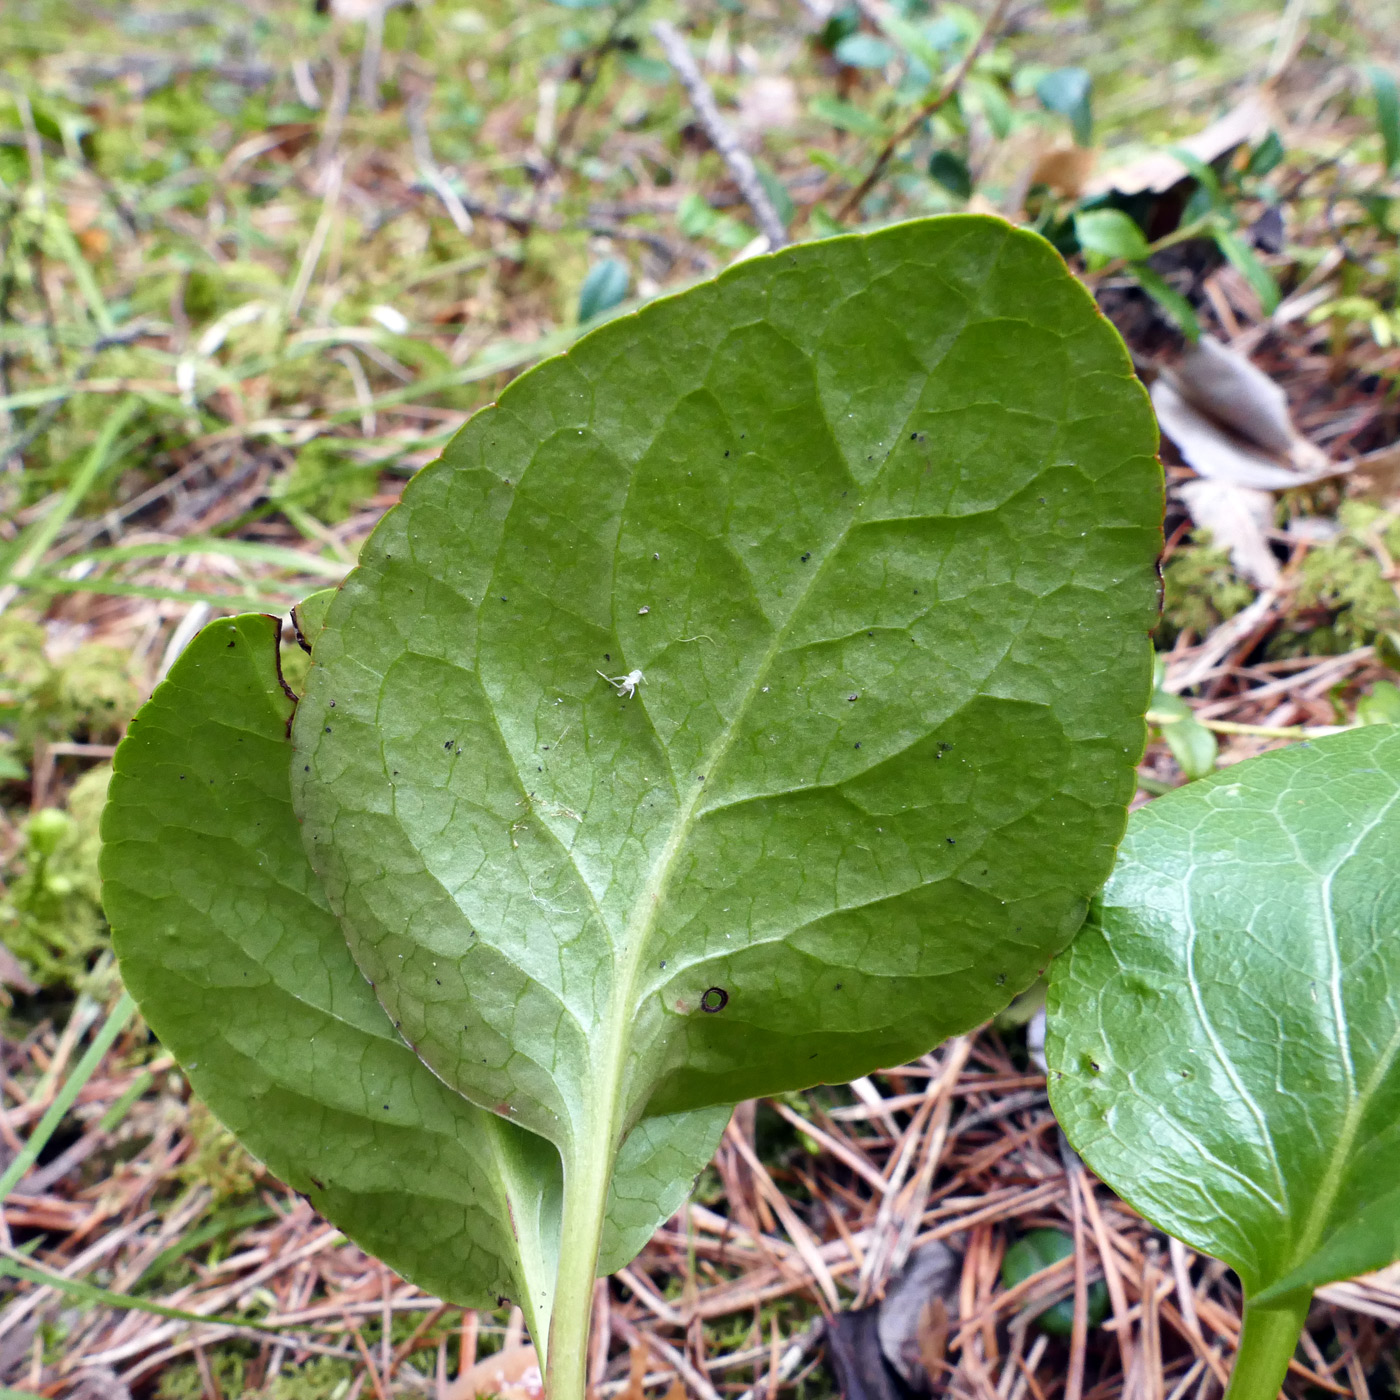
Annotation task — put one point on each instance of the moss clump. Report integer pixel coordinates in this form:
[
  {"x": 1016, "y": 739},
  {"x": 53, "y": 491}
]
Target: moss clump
[
  {"x": 1344, "y": 599},
  {"x": 51, "y": 914},
  {"x": 1200, "y": 590}
]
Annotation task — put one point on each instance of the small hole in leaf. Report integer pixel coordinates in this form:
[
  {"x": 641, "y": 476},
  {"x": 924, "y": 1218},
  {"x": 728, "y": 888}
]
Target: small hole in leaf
[{"x": 714, "y": 999}]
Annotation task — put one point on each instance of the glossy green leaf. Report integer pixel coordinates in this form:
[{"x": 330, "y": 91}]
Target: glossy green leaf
[
  {"x": 1069, "y": 91},
  {"x": 238, "y": 965},
  {"x": 752, "y": 696},
  {"x": 950, "y": 170},
  {"x": 1387, "y": 98},
  {"x": 1381, "y": 706},
  {"x": 1224, "y": 1035},
  {"x": 1193, "y": 746},
  {"x": 1109, "y": 232},
  {"x": 864, "y": 51},
  {"x": 603, "y": 288},
  {"x": 1038, "y": 1250},
  {"x": 1181, "y": 312},
  {"x": 1245, "y": 261}
]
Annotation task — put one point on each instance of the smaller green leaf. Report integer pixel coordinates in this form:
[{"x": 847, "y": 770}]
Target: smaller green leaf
[
  {"x": 1224, "y": 1034},
  {"x": 1384, "y": 90},
  {"x": 1242, "y": 257},
  {"x": 846, "y": 116},
  {"x": 1068, "y": 91},
  {"x": 1039, "y": 1250},
  {"x": 864, "y": 51},
  {"x": 603, "y": 288},
  {"x": 1177, "y": 308},
  {"x": 949, "y": 169},
  {"x": 777, "y": 194},
  {"x": 1381, "y": 706},
  {"x": 646, "y": 69},
  {"x": 1111, "y": 233},
  {"x": 1205, "y": 177},
  {"x": 1193, "y": 745},
  {"x": 309, "y": 616},
  {"x": 1266, "y": 156}
]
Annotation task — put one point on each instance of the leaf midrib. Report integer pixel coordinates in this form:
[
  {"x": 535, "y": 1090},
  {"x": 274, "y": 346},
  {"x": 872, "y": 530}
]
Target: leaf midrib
[{"x": 1335, "y": 1170}]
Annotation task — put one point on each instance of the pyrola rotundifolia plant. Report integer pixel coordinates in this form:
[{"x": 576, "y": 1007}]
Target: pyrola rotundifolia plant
[
  {"x": 749, "y": 699},
  {"x": 1224, "y": 1036}
]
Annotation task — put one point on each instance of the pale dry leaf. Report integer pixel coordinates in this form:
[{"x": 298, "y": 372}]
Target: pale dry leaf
[
  {"x": 1234, "y": 391},
  {"x": 766, "y": 103},
  {"x": 1157, "y": 171},
  {"x": 928, "y": 1285},
  {"x": 1064, "y": 168},
  {"x": 1215, "y": 452},
  {"x": 513, "y": 1374},
  {"x": 1237, "y": 518}
]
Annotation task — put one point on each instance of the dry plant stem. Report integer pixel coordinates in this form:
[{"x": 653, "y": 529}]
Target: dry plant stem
[
  {"x": 1267, "y": 1342},
  {"x": 944, "y": 95},
  {"x": 721, "y": 137}
]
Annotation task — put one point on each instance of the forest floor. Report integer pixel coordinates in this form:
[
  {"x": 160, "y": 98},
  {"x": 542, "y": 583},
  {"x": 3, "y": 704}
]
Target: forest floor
[{"x": 257, "y": 265}]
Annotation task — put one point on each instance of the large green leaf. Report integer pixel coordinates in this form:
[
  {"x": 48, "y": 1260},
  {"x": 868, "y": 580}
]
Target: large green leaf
[
  {"x": 1224, "y": 1035},
  {"x": 869, "y": 525},
  {"x": 237, "y": 963}
]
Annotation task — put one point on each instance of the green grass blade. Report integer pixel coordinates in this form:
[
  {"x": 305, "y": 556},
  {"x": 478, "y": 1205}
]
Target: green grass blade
[{"x": 117, "y": 1018}]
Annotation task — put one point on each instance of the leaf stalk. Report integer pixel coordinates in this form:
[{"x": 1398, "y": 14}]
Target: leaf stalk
[{"x": 1267, "y": 1343}]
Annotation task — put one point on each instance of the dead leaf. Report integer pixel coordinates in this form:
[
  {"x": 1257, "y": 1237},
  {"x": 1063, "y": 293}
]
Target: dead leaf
[
  {"x": 1238, "y": 518},
  {"x": 766, "y": 103},
  {"x": 932, "y": 1336},
  {"x": 12, "y": 973},
  {"x": 1156, "y": 172},
  {"x": 1214, "y": 451},
  {"x": 907, "y": 1327},
  {"x": 513, "y": 1374},
  {"x": 1064, "y": 168},
  {"x": 1234, "y": 391}
]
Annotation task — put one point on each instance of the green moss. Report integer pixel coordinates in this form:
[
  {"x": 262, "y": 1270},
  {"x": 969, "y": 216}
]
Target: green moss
[
  {"x": 86, "y": 694},
  {"x": 1344, "y": 599},
  {"x": 51, "y": 915},
  {"x": 217, "y": 1159},
  {"x": 1200, "y": 590}
]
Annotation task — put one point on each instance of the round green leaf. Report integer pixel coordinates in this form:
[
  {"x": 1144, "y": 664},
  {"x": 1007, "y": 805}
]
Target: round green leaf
[
  {"x": 751, "y": 697},
  {"x": 1224, "y": 1035},
  {"x": 1038, "y": 1250},
  {"x": 603, "y": 288},
  {"x": 1111, "y": 233},
  {"x": 228, "y": 946}
]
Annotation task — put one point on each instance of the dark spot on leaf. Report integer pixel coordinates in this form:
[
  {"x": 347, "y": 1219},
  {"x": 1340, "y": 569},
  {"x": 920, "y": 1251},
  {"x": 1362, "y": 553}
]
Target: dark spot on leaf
[
  {"x": 231, "y": 645},
  {"x": 1001, "y": 977},
  {"x": 857, "y": 746},
  {"x": 950, "y": 841},
  {"x": 449, "y": 743},
  {"x": 726, "y": 454},
  {"x": 714, "y": 999},
  {"x": 386, "y": 1108},
  {"x": 839, "y": 985},
  {"x": 607, "y": 656},
  {"x": 853, "y": 697},
  {"x": 663, "y": 964},
  {"x": 318, "y": 1183},
  {"x": 328, "y": 729},
  {"x": 807, "y": 556},
  {"x": 505, "y": 600}
]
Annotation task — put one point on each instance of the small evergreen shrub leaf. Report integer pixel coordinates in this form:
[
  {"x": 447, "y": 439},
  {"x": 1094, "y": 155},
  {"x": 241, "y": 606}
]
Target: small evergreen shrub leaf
[
  {"x": 226, "y": 941},
  {"x": 751, "y": 697},
  {"x": 1224, "y": 1035}
]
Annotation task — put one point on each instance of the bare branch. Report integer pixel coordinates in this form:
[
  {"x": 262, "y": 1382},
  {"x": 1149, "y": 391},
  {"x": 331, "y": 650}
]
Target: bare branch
[{"x": 721, "y": 137}]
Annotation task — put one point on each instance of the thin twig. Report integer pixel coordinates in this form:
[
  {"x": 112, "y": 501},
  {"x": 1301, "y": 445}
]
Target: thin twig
[
  {"x": 427, "y": 166},
  {"x": 941, "y": 98},
  {"x": 721, "y": 137}
]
